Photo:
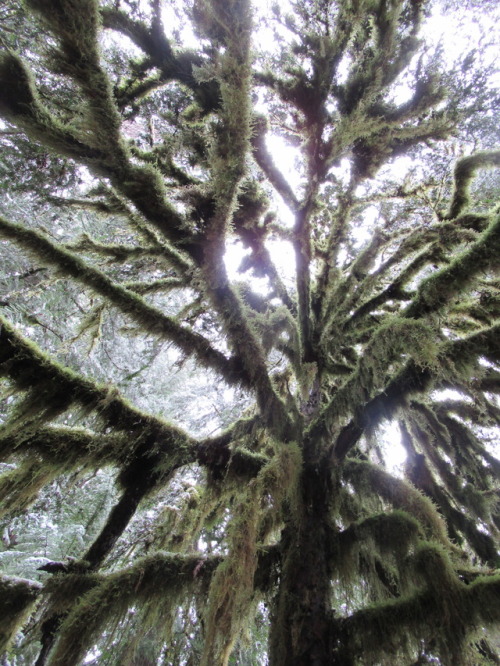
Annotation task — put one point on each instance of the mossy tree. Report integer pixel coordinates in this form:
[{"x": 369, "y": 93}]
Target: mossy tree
[{"x": 391, "y": 318}]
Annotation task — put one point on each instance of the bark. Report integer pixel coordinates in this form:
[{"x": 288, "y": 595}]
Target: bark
[{"x": 302, "y": 631}]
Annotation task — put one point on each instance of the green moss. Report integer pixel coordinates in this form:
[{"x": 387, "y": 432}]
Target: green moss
[
  {"x": 17, "y": 597},
  {"x": 465, "y": 170},
  {"x": 483, "y": 595},
  {"x": 51, "y": 389},
  {"x": 21, "y": 105},
  {"x": 395, "y": 337},
  {"x": 436, "y": 291},
  {"x": 49, "y": 452},
  {"x": 441, "y": 611},
  {"x": 371, "y": 480},
  {"x": 147, "y": 316},
  {"x": 65, "y": 590},
  {"x": 19, "y": 487},
  {"x": 433, "y": 565},
  {"x": 390, "y": 534},
  {"x": 73, "y": 22},
  {"x": 232, "y": 590},
  {"x": 154, "y": 582}
]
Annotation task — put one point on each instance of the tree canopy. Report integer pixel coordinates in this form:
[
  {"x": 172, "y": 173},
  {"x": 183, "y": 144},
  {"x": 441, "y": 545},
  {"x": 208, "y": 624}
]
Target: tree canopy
[{"x": 250, "y": 251}]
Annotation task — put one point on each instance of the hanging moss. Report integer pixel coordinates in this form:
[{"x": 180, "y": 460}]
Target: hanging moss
[
  {"x": 74, "y": 22},
  {"x": 443, "y": 613},
  {"x": 64, "y": 590},
  {"x": 390, "y": 534},
  {"x": 155, "y": 582},
  {"x": 148, "y": 317},
  {"x": 21, "y": 105},
  {"x": 19, "y": 487},
  {"x": 351, "y": 341},
  {"x": 390, "y": 340},
  {"x": 232, "y": 589},
  {"x": 67, "y": 448},
  {"x": 436, "y": 291},
  {"x": 29, "y": 368},
  {"x": 371, "y": 480},
  {"x": 17, "y": 597},
  {"x": 432, "y": 436},
  {"x": 231, "y": 592}
]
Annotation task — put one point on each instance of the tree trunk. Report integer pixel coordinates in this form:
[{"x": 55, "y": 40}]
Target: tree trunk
[{"x": 302, "y": 630}]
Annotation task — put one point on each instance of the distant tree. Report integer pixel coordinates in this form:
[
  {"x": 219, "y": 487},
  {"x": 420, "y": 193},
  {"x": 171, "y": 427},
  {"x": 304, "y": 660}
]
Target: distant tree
[{"x": 263, "y": 522}]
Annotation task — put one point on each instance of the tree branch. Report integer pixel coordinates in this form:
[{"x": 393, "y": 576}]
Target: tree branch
[
  {"x": 148, "y": 317},
  {"x": 436, "y": 291},
  {"x": 17, "y": 596},
  {"x": 465, "y": 170}
]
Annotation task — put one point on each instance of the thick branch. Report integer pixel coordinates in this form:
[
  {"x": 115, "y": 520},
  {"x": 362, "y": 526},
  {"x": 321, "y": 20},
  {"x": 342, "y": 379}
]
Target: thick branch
[
  {"x": 148, "y": 317},
  {"x": 29, "y": 368},
  {"x": 173, "y": 66},
  {"x": 154, "y": 579},
  {"x": 413, "y": 378},
  {"x": 17, "y": 596},
  {"x": 455, "y": 608}
]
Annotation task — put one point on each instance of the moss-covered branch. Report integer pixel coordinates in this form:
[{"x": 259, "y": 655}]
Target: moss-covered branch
[
  {"x": 444, "y": 612},
  {"x": 107, "y": 157},
  {"x": 155, "y": 581},
  {"x": 115, "y": 251},
  {"x": 223, "y": 455},
  {"x": 20, "y": 104},
  {"x": 455, "y": 493},
  {"x": 371, "y": 480},
  {"x": 178, "y": 65},
  {"x": 436, "y": 291},
  {"x": 62, "y": 448},
  {"x": 112, "y": 203},
  {"x": 53, "y": 388},
  {"x": 465, "y": 170},
  {"x": 153, "y": 286},
  {"x": 17, "y": 596},
  {"x": 148, "y": 317},
  {"x": 456, "y": 359},
  {"x": 55, "y": 449},
  {"x": 391, "y": 340},
  {"x": 437, "y": 238},
  {"x": 387, "y": 533},
  {"x": 228, "y": 169}
]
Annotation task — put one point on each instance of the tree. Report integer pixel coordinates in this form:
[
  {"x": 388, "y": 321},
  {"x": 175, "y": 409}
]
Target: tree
[{"x": 288, "y": 517}]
